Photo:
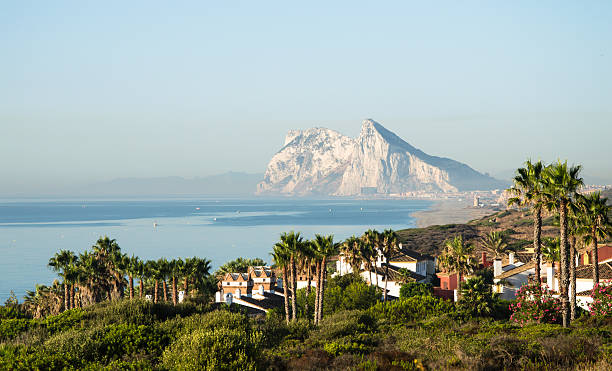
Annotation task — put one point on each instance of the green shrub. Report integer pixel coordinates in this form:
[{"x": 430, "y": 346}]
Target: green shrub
[
  {"x": 411, "y": 309},
  {"x": 477, "y": 299},
  {"x": 411, "y": 289},
  {"x": 63, "y": 321},
  {"x": 218, "y": 344},
  {"x": 30, "y": 358},
  {"x": 10, "y": 328},
  {"x": 349, "y": 294}
]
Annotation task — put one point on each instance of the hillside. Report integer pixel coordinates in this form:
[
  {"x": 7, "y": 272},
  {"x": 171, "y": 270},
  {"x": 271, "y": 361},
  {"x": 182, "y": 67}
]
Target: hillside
[{"x": 518, "y": 224}]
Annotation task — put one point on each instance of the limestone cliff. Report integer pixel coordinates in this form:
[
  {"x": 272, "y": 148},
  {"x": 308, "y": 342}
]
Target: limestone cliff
[{"x": 320, "y": 161}]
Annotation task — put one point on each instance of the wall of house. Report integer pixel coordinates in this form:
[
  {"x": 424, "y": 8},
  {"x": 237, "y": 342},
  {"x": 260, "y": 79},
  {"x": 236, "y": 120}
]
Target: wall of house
[{"x": 514, "y": 283}]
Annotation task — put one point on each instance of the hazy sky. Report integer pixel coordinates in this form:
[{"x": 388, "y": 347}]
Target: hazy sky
[{"x": 92, "y": 91}]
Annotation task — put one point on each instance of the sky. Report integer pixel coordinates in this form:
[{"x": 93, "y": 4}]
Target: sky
[{"x": 92, "y": 91}]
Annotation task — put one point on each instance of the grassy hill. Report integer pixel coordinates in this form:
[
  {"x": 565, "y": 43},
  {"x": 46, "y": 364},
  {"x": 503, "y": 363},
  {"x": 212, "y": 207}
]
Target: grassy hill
[{"x": 518, "y": 224}]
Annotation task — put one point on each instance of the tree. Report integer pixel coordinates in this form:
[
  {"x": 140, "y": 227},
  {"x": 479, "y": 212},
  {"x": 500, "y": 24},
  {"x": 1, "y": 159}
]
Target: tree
[
  {"x": 239, "y": 265},
  {"x": 595, "y": 224},
  {"x": 142, "y": 273},
  {"x": 178, "y": 269},
  {"x": 153, "y": 269},
  {"x": 528, "y": 190},
  {"x": 561, "y": 185},
  {"x": 351, "y": 249},
  {"x": 457, "y": 257},
  {"x": 306, "y": 258},
  {"x": 291, "y": 243},
  {"x": 280, "y": 257},
  {"x": 389, "y": 248},
  {"x": 325, "y": 248},
  {"x": 372, "y": 238},
  {"x": 164, "y": 269},
  {"x": 477, "y": 299},
  {"x": 495, "y": 243},
  {"x": 61, "y": 263},
  {"x": 551, "y": 253}
]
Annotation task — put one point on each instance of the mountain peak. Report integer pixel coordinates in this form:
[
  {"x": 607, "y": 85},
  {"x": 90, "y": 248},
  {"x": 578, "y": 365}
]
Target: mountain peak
[{"x": 323, "y": 161}]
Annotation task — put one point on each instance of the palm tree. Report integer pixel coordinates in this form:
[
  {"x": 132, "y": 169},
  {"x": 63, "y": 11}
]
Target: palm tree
[
  {"x": 142, "y": 273},
  {"x": 495, "y": 242},
  {"x": 551, "y": 252},
  {"x": 132, "y": 269},
  {"x": 458, "y": 258},
  {"x": 573, "y": 229},
  {"x": 351, "y": 249},
  {"x": 61, "y": 263},
  {"x": 152, "y": 267},
  {"x": 306, "y": 258},
  {"x": 292, "y": 243},
  {"x": 390, "y": 247},
  {"x": 281, "y": 260},
  {"x": 561, "y": 184},
  {"x": 325, "y": 248},
  {"x": 176, "y": 266},
  {"x": 528, "y": 190},
  {"x": 595, "y": 224},
  {"x": 164, "y": 273},
  {"x": 368, "y": 254},
  {"x": 200, "y": 273},
  {"x": 372, "y": 238}
]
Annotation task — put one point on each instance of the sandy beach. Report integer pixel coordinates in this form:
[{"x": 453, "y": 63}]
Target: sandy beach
[{"x": 450, "y": 212}]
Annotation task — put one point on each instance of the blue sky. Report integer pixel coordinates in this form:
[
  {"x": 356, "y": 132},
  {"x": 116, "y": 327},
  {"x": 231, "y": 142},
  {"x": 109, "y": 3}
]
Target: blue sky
[{"x": 92, "y": 91}]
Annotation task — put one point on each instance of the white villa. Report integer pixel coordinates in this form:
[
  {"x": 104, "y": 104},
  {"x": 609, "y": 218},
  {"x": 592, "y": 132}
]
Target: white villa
[{"x": 420, "y": 267}]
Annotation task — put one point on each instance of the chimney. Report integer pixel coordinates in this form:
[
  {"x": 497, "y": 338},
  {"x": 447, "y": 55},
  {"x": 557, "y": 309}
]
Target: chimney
[
  {"x": 497, "y": 267},
  {"x": 511, "y": 258},
  {"x": 483, "y": 259},
  {"x": 550, "y": 277}
]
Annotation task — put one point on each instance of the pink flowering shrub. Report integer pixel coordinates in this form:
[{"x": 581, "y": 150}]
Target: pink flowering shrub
[
  {"x": 535, "y": 306},
  {"x": 602, "y": 299}
]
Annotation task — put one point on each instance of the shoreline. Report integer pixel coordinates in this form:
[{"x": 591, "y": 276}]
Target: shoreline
[{"x": 449, "y": 212}]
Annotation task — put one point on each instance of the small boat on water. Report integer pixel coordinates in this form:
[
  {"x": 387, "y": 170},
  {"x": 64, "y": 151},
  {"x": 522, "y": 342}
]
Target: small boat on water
[{"x": 154, "y": 224}]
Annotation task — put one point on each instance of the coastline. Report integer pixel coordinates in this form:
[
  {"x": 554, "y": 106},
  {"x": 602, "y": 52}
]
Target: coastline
[{"x": 450, "y": 211}]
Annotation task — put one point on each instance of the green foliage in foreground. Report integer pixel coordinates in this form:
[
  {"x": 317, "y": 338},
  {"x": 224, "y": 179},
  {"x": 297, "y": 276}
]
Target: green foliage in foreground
[{"x": 418, "y": 332}]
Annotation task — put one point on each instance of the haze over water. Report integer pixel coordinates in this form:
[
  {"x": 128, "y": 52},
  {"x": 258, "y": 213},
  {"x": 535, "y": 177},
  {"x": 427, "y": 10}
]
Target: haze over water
[{"x": 31, "y": 231}]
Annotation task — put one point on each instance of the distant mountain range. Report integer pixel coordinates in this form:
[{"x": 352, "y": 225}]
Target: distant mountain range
[
  {"x": 321, "y": 161},
  {"x": 232, "y": 183}
]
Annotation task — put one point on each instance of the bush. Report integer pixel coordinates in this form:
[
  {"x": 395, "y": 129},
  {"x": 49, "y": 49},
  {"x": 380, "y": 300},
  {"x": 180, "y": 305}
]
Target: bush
[
  {"x": 602, "y": 299},
  {"x": 477, "y": 299},
  {"x": 10, "y": 328},
  {"x": 535, "y": 305},
  {"x": 346, "y": 332},
  {"x": 412, "y": 309},
  {"x": 218, "y": 342},
  {"x": 411, "y": 289},
  {"x": 349, "y": 294},
  {"x": 63, "y": 321}
]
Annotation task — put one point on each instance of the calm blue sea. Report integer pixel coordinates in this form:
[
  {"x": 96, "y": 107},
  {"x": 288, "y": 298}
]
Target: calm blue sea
[{"x": 31, "y": 231}]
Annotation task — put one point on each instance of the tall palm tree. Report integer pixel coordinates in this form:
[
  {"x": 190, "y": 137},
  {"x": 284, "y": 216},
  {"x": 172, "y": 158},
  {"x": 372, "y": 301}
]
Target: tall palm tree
[
  {"x": 373, "y": 239},
  {"x": 176, "y": 271},
  {"x": 551, "y": 252},
  {"x": 132, "y": 269},
  {"x": 292, "y": 243},
  {"x": 152, "y": 267},
  {"x": 351, "y": 249},
  {"x": 325, "y": 248},
  {"x": 61, "y": 263},
  {"x": 595, "y": 224},
  {"x": 200, "y": 273},
  {"x": 142, "y": 273},
  {"x": 458, "y": 257},
  {"x": 390, "y": 247},
  {"x": 527, "y": 190},
  {"x": 164, "y": 273},
  {"x": 573, "y": 229},
  {"x": 495, "y": 242},
  {"x": 561, "y": 185},
  {"x": 368, "y": 254},
  {"x": 306, "y": 258},
  {"x": 281, "y": 260}
]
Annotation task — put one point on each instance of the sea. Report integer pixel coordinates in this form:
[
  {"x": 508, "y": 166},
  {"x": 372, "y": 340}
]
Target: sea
[{"x": 219, "y": 229}]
